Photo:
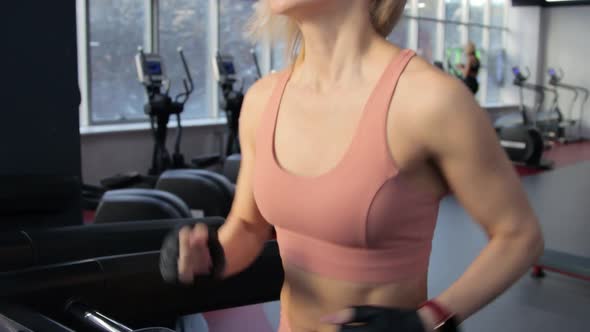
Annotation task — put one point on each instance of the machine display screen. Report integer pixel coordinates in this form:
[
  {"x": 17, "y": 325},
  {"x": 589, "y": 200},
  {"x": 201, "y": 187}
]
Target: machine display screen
[
  {"x": 228, "y": 68},
  {"x": 154, "y": 68}
]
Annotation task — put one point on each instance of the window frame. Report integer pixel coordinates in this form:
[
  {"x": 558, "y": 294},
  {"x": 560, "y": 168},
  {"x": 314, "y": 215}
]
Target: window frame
[{"x": 152, "y": 42}]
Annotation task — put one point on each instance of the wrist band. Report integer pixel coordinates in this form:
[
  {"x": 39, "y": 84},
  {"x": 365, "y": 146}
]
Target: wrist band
[{"x": 442, "y": 314}]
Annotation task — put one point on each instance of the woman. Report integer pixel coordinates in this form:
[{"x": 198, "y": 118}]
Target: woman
[
  {"x": 470, "y": 70},
  {"x": 348, "y": 153}
]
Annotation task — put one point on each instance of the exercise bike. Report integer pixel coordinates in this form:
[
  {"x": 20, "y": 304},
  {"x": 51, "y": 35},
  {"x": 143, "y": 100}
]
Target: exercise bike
[
  {"x": 570, "y": 129},
  {"x": 547, "y": 122},
  {"x": 523, "y": 142}
]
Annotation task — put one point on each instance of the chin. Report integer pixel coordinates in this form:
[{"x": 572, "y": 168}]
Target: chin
[{"x": 288, "y": 7}]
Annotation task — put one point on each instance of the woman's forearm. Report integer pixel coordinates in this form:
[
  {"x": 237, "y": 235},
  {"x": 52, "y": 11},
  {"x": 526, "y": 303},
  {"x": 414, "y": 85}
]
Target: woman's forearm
[
  {"x": 242, "y": 243},
  {"x": 502, "y": 262}
]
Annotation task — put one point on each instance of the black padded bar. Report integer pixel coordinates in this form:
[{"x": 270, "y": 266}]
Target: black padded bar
[
  {"x": 24, "y": 249},
  {"x": 130, "y": 288}
]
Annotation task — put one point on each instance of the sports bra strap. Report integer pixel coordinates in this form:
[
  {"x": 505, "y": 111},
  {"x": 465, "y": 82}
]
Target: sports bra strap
[{"x": 385, "y": 90}]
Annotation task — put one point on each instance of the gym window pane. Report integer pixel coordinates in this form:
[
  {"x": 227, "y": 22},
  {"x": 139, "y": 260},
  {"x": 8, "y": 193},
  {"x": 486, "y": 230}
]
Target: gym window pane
[
  {"x": 476, "y": 36},
  {"x": 452, "y": 36},
  {"x": 453, "y": 10},
  {"x": 497, "y": 13},
  {"x": 399, "y": 36},
  {"x": 496, "y": 67},
  {"x": 183, "y": 23},
  {"x": 278, "y": 56},
  {"x": 428, "y": 8},
  {"x": 427, "y": 40},
  {"x": 116, "y": 30},
  {"x": 476, "y": 11},
  {"x": 233, "y": 18}
]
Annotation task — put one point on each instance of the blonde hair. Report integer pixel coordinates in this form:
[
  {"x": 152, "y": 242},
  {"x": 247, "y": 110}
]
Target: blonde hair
[
  {"x": 470, "y": 47},
  {"x": 385, "y": 14}
]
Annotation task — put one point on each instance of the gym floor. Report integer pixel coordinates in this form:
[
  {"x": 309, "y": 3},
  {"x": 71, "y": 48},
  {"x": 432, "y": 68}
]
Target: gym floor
[{"x": 555, "y": 303}]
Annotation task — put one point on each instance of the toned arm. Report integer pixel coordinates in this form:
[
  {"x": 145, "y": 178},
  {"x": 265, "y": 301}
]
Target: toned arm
[
  {"x": 245, "y": 231},
  {"x": 460, "y": 140}
]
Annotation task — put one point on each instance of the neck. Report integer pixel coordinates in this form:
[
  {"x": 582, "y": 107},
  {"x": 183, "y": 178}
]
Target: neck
[{"x": 336, "y": 40}]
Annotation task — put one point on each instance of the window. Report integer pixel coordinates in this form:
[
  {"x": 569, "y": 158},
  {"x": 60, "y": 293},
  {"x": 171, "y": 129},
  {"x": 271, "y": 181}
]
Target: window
[
  {"x": 233, "y": 18},
  {"x": 428, "y": 8},
  {"x": 496, "y": 57},
  {"x": 399, "y": 36},
  {"x": 278, "y": 55},
  {"x": 183, "y": 23},
  {"x": 496, "y": 66},
  {"x": 453, "y": 36},
  {"x": 427, "y": 38},
  {"x": 497, "y": 13},
  {"x": 476, "y": 11},
  {"x": 116, "y": 30},
  {"x": 453, "y": 10},
  {"x": 453, "y": 32},
  {"x": 476, "y": 36}
]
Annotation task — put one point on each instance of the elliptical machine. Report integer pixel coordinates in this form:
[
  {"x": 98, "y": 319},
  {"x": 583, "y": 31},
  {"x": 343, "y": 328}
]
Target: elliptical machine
[
  {"x": 232, "y": 100},
  {"x": 571, "y": 130},
  {"x": 160, "y": 107},
  {"x": 233, "y": 97}
]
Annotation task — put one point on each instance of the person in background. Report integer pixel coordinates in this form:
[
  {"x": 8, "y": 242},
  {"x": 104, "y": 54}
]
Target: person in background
[{"x": 470, "y": 69}]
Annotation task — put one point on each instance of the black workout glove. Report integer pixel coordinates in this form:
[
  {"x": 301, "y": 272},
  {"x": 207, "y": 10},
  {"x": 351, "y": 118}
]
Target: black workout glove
[
  {"x": 170, "y": 252},
  {"x": 377, "y": 319}
]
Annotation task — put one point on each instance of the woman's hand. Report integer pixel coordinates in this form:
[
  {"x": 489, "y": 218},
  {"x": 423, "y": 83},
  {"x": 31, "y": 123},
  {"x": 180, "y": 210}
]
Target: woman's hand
[
  {"x": 192, "y": 252},
  {"x": 194, "y": 257}
]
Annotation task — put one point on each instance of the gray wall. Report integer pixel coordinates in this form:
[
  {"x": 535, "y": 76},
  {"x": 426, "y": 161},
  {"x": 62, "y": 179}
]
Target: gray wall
[
  {"x": 567, "y": 47},
  {"x": 106, "y": 154}
]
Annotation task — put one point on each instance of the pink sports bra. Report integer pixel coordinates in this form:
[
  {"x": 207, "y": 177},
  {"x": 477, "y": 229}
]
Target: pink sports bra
[{"x": 361, "y": 221}]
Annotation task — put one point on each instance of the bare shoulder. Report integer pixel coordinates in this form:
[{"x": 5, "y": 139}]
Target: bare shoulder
[
  {"x": 439, "y": 112},
  {"x": 432, "y": 99},
  {"x": 255, "y": 102},
  {"x": 258, "y": 94},
  {"x": 435, "y": 93}
]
